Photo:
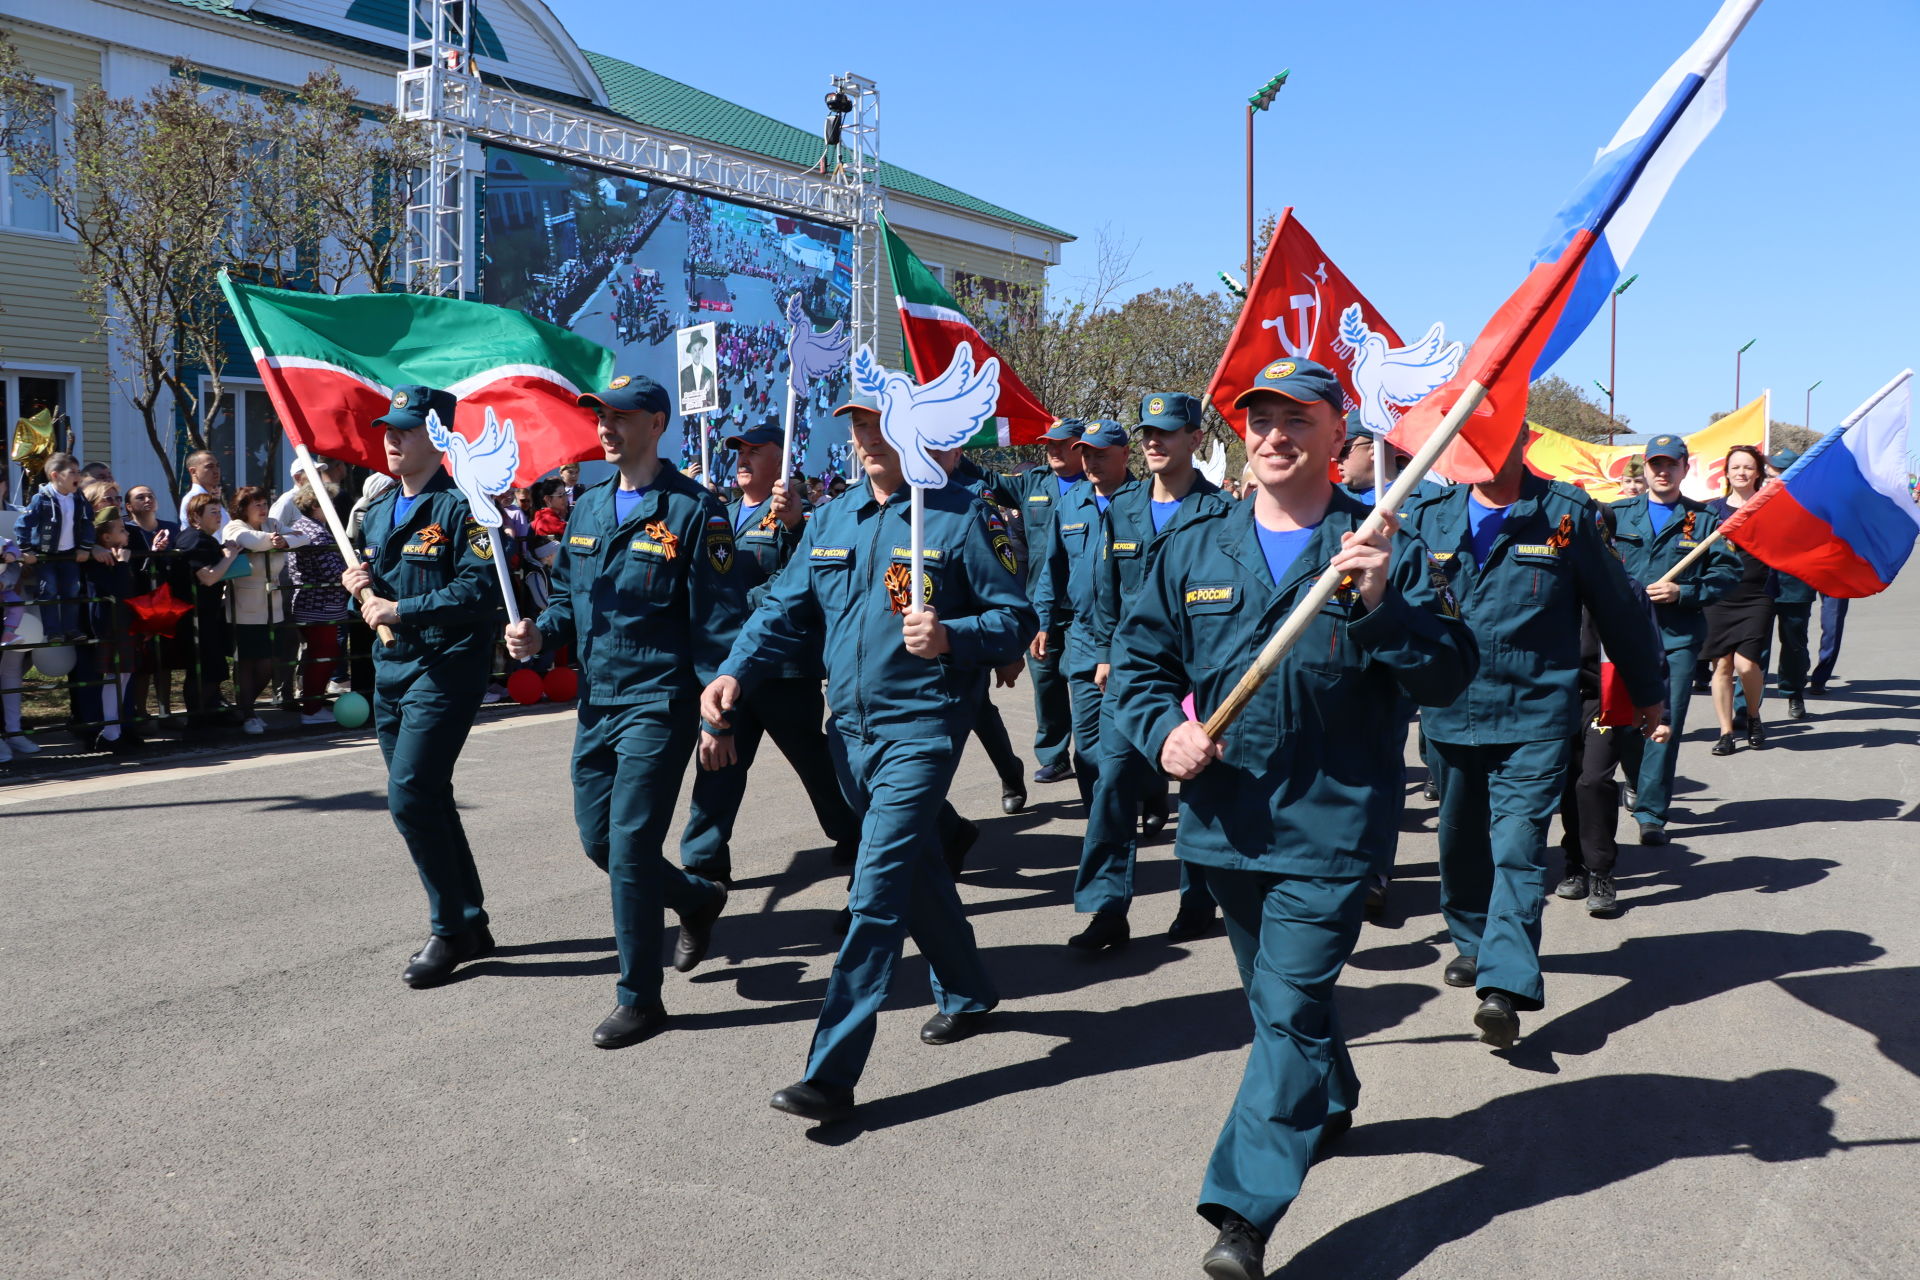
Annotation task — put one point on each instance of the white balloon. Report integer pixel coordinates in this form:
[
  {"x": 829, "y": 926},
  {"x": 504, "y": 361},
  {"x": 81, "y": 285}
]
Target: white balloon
[
  {"x": 30, "y": 630},
  {"x": 57, "y": 661}
]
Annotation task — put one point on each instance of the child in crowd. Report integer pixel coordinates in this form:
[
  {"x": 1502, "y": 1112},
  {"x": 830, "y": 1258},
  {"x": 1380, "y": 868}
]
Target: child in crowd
[
  {"x": 58, "y": 528},
  {"x": 103, "y": 669},
  {"x": 208, "y": 560},
  {"x": 13, "y": 662}
]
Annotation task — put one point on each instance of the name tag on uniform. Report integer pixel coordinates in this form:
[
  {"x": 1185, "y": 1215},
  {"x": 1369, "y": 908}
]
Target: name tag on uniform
[
  {"x": 647, "y": 546},
  {"x": 1039, "y": 497},
  {"x": 1073, "y": 528},
  {"x": 421, "y": 549},
  {"x": 1687, "y": 542},
  {"x": 1209, "y": 596},
  {"x": 1443, "y": 556},
  {"x": 832, "y": 553},
  {"x": 932, "y": 554},
  {"x": 1535, "y": 549},
  {"x": 583, "y": 541},
  {"x": 1125, "y": 548}
]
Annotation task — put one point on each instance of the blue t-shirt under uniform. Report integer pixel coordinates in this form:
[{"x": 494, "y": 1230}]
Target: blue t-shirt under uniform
[
  {"x": 1163, "y": 512},
  {"x": 626, "y": 502},
  {"x": 748, "y": 515},
  {"x": 401, "y": 506},
  {"x": 1066, "y": 483},
  {"x": 1101, "y": 503},
  {"x": 1658, "y": 513},
  {"x": 1282, "y": 547},
  {"x": 1485, "y": 522}
]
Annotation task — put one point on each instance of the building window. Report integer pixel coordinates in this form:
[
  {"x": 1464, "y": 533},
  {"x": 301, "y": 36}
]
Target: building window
[
  {"x": 25, "y": 393},
  {"x": 244, "y": 435},
  {"x": 939, "y": 271},
  {"x": 25, "y": 203}
]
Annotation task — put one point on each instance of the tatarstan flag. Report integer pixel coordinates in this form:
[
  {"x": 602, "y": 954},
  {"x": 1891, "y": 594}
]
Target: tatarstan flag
[
  {"x": 330, "y": 363},
  {"x": 934, "y": 327}
]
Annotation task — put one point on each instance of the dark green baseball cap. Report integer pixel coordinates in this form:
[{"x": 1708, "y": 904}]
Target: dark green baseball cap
[
  {"x": 1667, "y": 446},
  {"x": 1783, "y": 459},
  {"x": 1301, "y": 380},
  {"x": 765, "y": 433},
  {"x": 1102, "y": 433},
  {"x": 628, "y": 392},
  {"x": 1063, "y": 431},
  {"x": 412, "y": 404},
  {"x": 1168, "y": 411}
]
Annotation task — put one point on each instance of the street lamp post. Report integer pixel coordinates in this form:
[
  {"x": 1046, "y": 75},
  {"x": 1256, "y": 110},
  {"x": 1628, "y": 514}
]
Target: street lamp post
[
  {"x": 1807, "y": 421},
  {"x": 1613, "y": 351},
  {"x": 1736, "y": 371},
  {"x": 1262, "y": 99}
]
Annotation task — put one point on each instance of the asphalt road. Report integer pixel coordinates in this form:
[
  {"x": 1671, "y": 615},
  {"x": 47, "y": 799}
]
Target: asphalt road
[{"x": 211, "y": 1068}]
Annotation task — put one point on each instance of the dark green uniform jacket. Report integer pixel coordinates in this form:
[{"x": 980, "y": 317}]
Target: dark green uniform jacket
[
  {"x": 1647, "y": 555},
  {"x": 1062, "y": 584},
  {"x": 837, "y": 587},
  {"x": 437, "y": 566},
  {"x": 766, "y": 546},
  {"x": 1036, "y": 493},
  {"x": 650, "y": 605},
  {"x": 1523, "y": 606},
  {"x": 1131, "y": 546},
  {"x": 1311, "y": 777}
]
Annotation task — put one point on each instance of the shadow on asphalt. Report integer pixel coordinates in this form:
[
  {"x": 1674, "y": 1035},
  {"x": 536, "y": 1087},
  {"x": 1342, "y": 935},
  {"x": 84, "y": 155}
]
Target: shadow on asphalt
[
  {"x": 1878, "y": 1001},
  {"x": 1557, "y": 1141},
  {"x": 1769, "y": 813},
  {"x": 1664, "y": 973},
  {"x": 1680, "y": 876}
]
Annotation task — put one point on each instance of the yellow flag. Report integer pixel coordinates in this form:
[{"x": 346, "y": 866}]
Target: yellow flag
[{"x": 1599, "y": 468}]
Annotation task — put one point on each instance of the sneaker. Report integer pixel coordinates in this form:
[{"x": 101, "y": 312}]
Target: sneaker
[
  {"x": 6, "y": 754},
  {"x": 493, "y": 694},
  {"x": 21, "y": 744},
  {"x": 1574, "y": 887},
  {"x": 253, "y": 724},
  {"x": 318, "y": 717},
  {"x": 337, "y": 687},
  {"x": 1603, "y": 900},
  {"x": 1238, "y": 1253},
  {"x": 1058, "y": 771}
]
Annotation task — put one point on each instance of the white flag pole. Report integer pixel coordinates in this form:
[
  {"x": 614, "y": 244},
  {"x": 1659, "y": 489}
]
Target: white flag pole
[
  {"x": 786, "y": 442},
  {"x": 1382, "y": 468},
  {"x": 500, "y": 568},
  {"x": 318, "y": 483},
  {"x": 917, "y": 520},
  {"x": 706, "y": 454}
]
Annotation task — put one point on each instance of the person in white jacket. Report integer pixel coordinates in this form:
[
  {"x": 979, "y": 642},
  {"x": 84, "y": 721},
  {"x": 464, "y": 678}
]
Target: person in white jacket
[{"x": 263, "y": 635}]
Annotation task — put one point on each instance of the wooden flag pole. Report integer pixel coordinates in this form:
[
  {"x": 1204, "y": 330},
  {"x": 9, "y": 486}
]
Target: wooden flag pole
[
  {"x": 1692, "y": 555},
  {"x": 1329, "y": 581},
  {"x": 334, "y": 526}
]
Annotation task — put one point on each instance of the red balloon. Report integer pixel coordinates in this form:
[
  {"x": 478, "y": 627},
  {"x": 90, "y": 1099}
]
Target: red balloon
[
  {"x": 563, "y": 684},
  {"x": 524, "y": 687}
]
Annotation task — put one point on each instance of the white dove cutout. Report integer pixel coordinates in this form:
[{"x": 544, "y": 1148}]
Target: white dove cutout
[
  {"x": 942, "y": 414},
  {"x": 1213, "y": 465},
  {"x": 481, "y": 469},
  {"x": 1390, "y": 380}
]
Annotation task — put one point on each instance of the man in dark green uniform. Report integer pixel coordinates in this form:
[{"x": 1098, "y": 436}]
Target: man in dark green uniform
[
  {"x": 988, "y": 726},
  {"x": 766, "y": 522},
  {"x": 646, "y": 593},
  {"x": 1522, "y": 555},
  {"x": 903, "y": 687},
  {"x": 1653, "y": 532},
  {"x": 1062, "y": 585},
  {"x": 1040, "y": 490},
  {"x": 1140, "y": 520},
  {"x": 429, "y": 567},
  {"x": 1295, "y": 806},
  {"x": 1793, "y": 617}
]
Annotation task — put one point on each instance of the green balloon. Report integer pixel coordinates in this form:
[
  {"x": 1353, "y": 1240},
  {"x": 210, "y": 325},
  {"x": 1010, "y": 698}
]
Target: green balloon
[{"x": 351, "y": 710}]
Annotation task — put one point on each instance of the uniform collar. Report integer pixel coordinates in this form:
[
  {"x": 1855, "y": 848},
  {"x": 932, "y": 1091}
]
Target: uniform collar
[
  {"x": 439, "y": 482},
  {"x": 1241, "y": 541}
]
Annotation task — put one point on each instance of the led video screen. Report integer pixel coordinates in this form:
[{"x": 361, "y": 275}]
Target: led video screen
[{"x": 627, "y": 263}]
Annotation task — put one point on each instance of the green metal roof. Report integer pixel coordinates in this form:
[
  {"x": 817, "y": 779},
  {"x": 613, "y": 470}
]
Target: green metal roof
[
  {"x": 653, "y": 100},
  {"x": 649, "y": 98}
]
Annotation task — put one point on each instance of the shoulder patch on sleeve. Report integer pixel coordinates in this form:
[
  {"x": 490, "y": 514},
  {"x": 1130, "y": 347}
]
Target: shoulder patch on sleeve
[
  {"x": 1442, "y": 588},
  {"x": 719, "y": 544}
]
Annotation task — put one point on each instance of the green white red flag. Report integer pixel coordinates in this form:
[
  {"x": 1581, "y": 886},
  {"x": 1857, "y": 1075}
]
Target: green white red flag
[
  {"x": 330, "y": 364},
  {"x": 934, "y": 327}
]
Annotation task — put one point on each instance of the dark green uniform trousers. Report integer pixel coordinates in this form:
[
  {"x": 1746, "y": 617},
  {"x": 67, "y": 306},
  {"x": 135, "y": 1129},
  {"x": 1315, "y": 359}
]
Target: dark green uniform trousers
[
  {"x": 900, "y": 888},
  {"x": 627, "y": 766},
  {"x": 1104, "y": 881},
  {"x": 1052, "y": 712},
  {"x": 793, "y": 711},
  {"x": 1291, "y": 936},
  {"x": 1794, "y": 621},
  {"x": 998, "y": 744},
  {"x": 1651, "y": 764},
  {"x": 1495, "y": 803},
  {"x": 421, "y": 727}
]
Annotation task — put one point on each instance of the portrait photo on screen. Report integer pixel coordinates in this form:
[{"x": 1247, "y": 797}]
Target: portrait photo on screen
[{"x": 630, "y": 264}]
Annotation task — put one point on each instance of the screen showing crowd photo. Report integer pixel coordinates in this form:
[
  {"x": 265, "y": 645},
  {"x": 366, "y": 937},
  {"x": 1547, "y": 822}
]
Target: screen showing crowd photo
[{"x": 629, "y": 264}]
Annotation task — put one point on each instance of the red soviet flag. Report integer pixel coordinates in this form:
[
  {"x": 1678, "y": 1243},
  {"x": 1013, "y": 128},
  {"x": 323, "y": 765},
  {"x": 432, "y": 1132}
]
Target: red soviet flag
[{"x": 1292, "y": 311}]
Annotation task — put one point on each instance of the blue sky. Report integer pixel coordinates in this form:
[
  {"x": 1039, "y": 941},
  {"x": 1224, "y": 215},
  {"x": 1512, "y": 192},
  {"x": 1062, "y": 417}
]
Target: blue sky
[{"x": 1424, "y": 144}]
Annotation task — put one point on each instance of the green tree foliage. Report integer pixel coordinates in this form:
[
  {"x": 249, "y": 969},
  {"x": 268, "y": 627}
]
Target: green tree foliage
[{"x": 1562, "y": 406}]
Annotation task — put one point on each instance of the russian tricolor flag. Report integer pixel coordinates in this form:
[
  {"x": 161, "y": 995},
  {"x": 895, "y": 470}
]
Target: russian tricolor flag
[
  {"x": 1843, "y": 518},
  {"x": 1589, "y": 242}
]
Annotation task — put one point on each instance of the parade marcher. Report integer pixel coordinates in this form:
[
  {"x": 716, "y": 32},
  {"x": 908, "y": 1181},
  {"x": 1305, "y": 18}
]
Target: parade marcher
[
  {"x": 1740, "y": 623},
  {"x": 1792, "y": 615},
  {"x": 903, "y": 687},
  {"x": 1294, "y": 807},
  {"x": 429, "y": 566},
  {"x": 1062, "y": 589},
  {"x": 1652, "y": 533},
  {"x": 1833, "y": 629},
  {"x": 988, "y": 725},
  {"x": 767, "y": 521},
  {"x": 1523, "y": 555},
  {"x": 1140, "y": 520},
  {"x": 1040, "y": 490},
  {"x": 646, "y": 595}
]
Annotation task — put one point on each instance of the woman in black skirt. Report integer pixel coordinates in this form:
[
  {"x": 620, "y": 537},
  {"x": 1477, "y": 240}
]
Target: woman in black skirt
[{"x": 1740, "y": 623}]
